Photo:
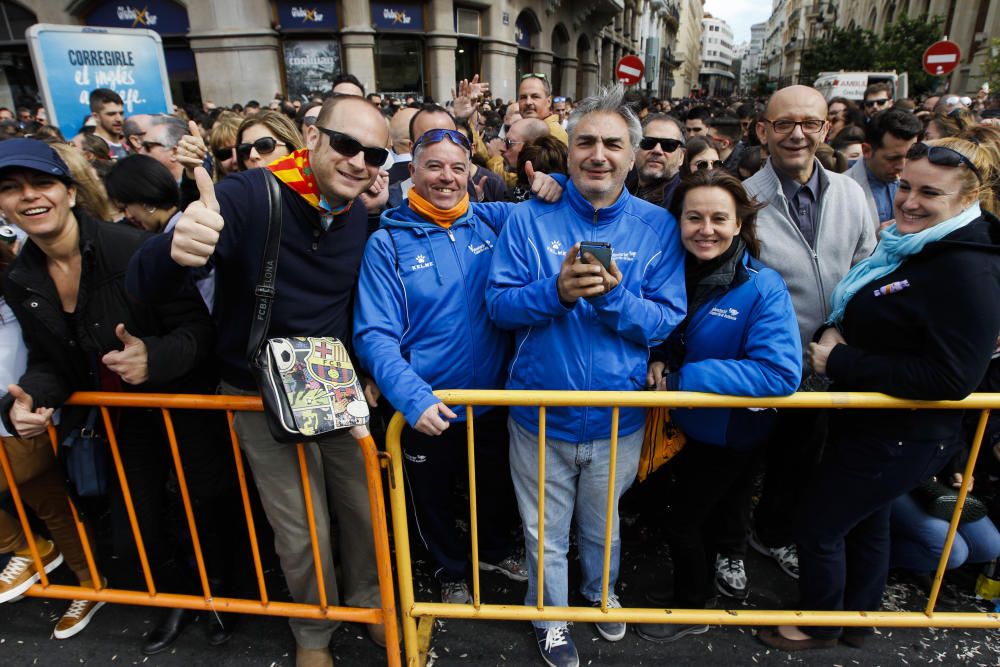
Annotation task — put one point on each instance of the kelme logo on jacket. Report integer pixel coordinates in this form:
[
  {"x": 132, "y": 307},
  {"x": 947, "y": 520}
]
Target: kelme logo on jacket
[
  {"x": 555, "y": 247},
  {"x": 422, "y": 263}
]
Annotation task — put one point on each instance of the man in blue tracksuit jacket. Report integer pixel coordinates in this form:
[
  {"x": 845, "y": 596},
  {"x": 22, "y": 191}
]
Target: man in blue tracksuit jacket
[
  {"x": 583, "y": 327},
  {"x": 421, "y": 324}
]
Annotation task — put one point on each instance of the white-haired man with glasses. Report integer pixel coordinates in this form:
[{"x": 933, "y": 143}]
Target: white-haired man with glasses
[{"x": 816, "y": 225}]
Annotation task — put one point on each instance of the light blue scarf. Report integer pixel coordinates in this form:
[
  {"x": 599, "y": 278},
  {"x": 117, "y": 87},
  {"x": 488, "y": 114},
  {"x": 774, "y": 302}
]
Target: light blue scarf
[{"x": 892, "y": 249}]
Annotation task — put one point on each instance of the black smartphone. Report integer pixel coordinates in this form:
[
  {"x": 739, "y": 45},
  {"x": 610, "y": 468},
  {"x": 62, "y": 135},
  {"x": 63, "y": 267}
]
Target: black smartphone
[{"x": 601, "y": 250}]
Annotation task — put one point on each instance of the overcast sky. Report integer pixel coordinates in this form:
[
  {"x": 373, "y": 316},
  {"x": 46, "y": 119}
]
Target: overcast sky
[{"x": 739, "y": 14}]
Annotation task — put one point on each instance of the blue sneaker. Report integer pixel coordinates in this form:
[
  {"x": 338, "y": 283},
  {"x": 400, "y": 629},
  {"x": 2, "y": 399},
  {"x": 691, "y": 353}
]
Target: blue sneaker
[{"x": 556, "y": 647}]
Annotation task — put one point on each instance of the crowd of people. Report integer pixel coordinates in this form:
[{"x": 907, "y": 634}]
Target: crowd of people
[{"x": 748, "y": 247}]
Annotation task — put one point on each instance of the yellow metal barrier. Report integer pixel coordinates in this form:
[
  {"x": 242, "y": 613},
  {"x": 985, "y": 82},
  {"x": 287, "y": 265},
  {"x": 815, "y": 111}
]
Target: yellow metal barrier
[
  {"x": 426, "y": 611},
  {"x": 207, "y": 602}
]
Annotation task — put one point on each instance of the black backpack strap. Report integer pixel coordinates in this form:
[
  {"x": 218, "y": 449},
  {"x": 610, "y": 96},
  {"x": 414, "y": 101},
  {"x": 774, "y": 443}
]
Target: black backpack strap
[{"x": 268, "y": 271}]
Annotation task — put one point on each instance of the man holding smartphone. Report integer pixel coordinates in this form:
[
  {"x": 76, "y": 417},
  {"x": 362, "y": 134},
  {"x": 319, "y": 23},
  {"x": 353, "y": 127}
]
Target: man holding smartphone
[{"x": 582, "y": 326}]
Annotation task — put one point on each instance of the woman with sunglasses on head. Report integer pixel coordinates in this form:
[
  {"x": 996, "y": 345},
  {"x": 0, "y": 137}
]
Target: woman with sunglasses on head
[
  {"x": 700, "y": 155},
  {"x": 917, "y": 320}
]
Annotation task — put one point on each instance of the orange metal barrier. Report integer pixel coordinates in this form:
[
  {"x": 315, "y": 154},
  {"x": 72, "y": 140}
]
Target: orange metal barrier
[
  {"x": 416, "y": 640},
  {"x": 207, "y": 602}
]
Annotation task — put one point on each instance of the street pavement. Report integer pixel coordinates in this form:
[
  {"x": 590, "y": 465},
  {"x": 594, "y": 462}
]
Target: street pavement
[{"x": 115, "y": 635}]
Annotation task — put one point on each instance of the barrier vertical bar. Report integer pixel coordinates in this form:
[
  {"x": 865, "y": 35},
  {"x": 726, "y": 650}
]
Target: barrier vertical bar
[
  {"x": 470, "y": 440},
  {"x": 383, "y": 559},
  {"x": 311, "y": 518},
  {"x": 88, "y": 553},
  {"x": 244, "y": 493},
  {"x": 29, "y": 534},
  {"x": 127, "y": 496},
  {"x": 199, "y": 556},
  {"x": 956, "y": 516},
  {"x": 541, "y": 508},
  {"x": 401, "y": 537},
  {"x": 608, "y": 525}
]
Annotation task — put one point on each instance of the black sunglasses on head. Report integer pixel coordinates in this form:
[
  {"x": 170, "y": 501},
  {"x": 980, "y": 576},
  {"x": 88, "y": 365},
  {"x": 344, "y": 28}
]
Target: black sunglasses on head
[
  {"x": 668, "y": 145},
  {"x": 348, "y": 146},
  {"x": 223, "y": 154},
  {"x": 942, "y": 156},
  {"x": 264, "y": 145}
]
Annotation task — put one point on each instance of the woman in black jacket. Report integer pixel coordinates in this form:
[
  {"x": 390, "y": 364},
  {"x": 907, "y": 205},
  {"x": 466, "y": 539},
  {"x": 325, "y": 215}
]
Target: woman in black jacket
[
  {"x": 917, "y": 320},
  {"x": 84, "y": 333}
]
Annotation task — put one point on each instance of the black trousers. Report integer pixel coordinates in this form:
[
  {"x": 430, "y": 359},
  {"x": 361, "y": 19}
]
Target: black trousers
[
  {"x": 843, "y": 525},
  {"x": 710, "y": 514},
  {"x": 203, "y": 443},
  {"x": 435, "y": 465},
  {"x": 789, "y": 460}
]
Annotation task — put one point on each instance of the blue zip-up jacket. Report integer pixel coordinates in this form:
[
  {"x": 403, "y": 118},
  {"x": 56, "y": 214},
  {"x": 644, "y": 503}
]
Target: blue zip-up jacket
[
  {"x": 420, "y": 320},
  {"x": 600, "y": 343},
  {"x": 742, "y": 342}
]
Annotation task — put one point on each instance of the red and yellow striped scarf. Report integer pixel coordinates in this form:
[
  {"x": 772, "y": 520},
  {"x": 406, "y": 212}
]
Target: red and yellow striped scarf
[{"x": 294, "y": 171}]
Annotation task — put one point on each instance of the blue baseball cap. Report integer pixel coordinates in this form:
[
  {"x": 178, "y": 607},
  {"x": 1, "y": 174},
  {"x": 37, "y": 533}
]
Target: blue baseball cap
[{"x": 33, "y": 154}]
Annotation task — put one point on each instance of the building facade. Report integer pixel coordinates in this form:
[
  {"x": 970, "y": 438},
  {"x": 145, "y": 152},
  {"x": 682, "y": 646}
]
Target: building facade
[
  {"x": 716, "y": 77},
  {"x": 229, "y": 51},
  {"x": 688, "y": 52}
]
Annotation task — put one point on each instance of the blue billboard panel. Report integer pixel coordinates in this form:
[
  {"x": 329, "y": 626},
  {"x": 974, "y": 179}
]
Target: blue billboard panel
[
  {"x": 163, "y": 16},
  {"x": 307, "y": 15},
  {"x": 71, "y": 61},
  {"x": 398, "y": 15}
]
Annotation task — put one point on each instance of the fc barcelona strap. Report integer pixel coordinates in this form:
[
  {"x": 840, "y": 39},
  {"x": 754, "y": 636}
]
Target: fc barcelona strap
[{"x": 268, "y": 271}]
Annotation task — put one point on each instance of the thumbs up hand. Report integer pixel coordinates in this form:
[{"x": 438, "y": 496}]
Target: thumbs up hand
[
  {"x": 191, "y": 149},
  {"x": 27, "y": 421},
  {"x": 543, "y": 186},
  {"x": 197, "y": 231},
  {"x": 131, "y": 363}
]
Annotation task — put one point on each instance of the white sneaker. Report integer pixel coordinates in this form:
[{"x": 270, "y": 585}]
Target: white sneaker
[
  {"x": 731, "y": 577},
  {"x": 21, "y": 573},
  {"x": 786, "y": 556}
]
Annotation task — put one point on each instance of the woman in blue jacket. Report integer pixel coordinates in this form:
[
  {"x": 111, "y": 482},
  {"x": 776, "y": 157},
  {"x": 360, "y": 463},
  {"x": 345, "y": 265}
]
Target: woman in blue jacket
[{"x": 740, "y": 338}]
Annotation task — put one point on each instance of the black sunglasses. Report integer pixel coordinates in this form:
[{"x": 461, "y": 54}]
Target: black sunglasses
[
  {"x": 668, "y": 145},
  {"x": 440, "y": 134},
  {"x": 150, "y": 145},
  {"x": 223, "y": 154},
  {"x": 871, "y": 103},
  {"x": 264, "y": 145},
  {"x": 942, "y": 156},
  {"x": 348, "y": 146},
  {"x": 707, "y": 164}
]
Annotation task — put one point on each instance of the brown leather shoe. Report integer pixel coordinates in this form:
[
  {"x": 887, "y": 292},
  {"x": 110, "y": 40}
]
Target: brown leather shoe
[
  {"x": 313, "y": 657},
  {"x": 771, "y": 637}
]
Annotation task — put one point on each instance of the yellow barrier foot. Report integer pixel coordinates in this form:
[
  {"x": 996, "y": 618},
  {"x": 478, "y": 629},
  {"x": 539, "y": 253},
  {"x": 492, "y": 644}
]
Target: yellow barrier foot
[{"x": 425, "y": 629}]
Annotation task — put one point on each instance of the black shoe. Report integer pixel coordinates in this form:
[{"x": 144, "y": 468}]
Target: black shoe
[
  {"x": 218, "y": 628},
  {"x": 664, "y": 633},
  {"x": 170, "y": 627}
]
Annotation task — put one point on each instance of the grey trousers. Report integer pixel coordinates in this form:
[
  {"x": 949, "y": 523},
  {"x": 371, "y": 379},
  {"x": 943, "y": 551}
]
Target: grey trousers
[{"x": 338, "y": 486}]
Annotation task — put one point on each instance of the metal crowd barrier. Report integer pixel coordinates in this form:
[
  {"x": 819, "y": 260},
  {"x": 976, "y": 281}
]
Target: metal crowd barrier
[
  {"x": 264, "y": 606},
  {"x": 416, "y": 639}
]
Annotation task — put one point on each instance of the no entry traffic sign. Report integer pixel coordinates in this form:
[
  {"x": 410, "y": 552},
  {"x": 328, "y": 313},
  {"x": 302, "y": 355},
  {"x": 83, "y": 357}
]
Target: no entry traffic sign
[
  {"x": 629, "y": 70},
  {"x": 942, "y": 57}
]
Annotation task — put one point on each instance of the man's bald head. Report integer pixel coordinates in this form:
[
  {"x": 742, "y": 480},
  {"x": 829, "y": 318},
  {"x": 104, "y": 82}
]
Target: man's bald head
[
  {"x": 399, "y": 130},
  {"x": 796, "y": 95},
  {"x": 530, "y": 129}
]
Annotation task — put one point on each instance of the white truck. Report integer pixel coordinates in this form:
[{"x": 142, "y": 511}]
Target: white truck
[{"x": 852, "y": 84}]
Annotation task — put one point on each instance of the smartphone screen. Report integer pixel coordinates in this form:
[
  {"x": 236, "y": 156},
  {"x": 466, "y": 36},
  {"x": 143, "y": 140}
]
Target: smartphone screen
[{"x": 601, "y": 250}]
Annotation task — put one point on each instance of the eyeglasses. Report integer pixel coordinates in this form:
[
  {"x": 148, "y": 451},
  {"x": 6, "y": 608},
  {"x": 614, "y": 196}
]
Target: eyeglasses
[
  {"x": 558, "y": 99},
  {"x": 533, "y": 75},
  {"x": 881, "y": 102},
  {"x": 942, "y": 156},
  {"x": 150, "y": 145},
  {"x": 348, "y": 146},
  {"x": 308, "y": 120},
  {"x": 787, "y": 126},
  {"x": 264, "y": 145},
  {"x": 440, "y": 134},
  {"x": 509, "y": 143},
  {"x": 223, "y": 154},
  {"x": 668, "y": 145},
  {"x": 707, "y": 164}
]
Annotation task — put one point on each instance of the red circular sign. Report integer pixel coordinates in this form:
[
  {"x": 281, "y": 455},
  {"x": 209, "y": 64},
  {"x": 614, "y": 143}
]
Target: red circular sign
[
  {"x": 629, "y": 70},
  {"x": 942, "y": 57}
]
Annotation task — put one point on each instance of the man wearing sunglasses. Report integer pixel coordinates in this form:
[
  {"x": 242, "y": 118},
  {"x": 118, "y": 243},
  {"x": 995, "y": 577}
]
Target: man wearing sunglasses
[
  {"x": 421, "y": 324},
  {"x": 815, "y": 226},
  {"x": 534, "y": 99},
  {"x": 324, "y": 228},
  {"x": 658, "y": 160},
  {"x": 878, "y": 97},
  {"x": 161, "y": 141}
]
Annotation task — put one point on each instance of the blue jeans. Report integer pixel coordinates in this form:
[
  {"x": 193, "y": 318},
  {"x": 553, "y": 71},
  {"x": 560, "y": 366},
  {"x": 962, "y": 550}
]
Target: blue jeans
[
  {"x": 917, "y": 538},
  {"x": 576, "y": 478}
]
